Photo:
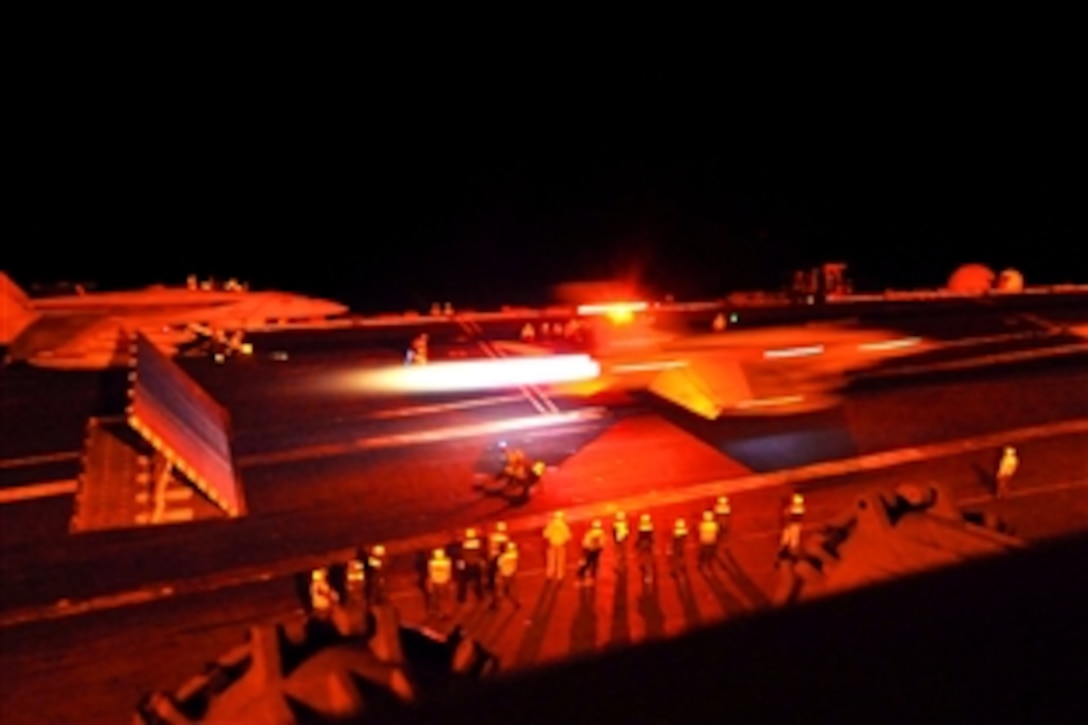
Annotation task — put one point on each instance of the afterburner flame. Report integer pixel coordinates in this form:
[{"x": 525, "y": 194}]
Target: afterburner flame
[
  {"x": 621, "y": 313},
  {"x": 492, "y": 374}
]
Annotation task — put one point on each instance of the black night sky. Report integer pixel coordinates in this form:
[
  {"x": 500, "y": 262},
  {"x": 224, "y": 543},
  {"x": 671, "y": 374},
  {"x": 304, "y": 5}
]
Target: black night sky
[{"x": 486, "y": 183}]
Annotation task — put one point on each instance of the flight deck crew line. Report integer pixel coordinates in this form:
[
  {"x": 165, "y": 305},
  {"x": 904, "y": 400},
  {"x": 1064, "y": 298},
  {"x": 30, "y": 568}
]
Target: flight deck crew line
[{"x": 487, "y": 564}]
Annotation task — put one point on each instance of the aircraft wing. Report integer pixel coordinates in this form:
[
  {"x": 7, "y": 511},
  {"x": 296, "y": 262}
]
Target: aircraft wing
[{"x": 86, "y": 342}]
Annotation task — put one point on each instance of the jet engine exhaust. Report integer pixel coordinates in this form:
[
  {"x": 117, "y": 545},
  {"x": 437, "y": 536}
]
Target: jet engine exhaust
[{"x": 470, "y": 375}]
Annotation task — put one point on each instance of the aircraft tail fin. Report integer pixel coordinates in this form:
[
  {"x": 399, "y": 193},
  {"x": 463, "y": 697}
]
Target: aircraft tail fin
[{"x": 15, "y": 310}]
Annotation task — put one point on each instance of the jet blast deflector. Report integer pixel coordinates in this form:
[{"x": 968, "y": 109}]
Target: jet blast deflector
[{"x": 141, "y": 467}]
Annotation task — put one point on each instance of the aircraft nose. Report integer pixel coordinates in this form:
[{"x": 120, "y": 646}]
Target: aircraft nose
[{"x": 331, "y": 308}]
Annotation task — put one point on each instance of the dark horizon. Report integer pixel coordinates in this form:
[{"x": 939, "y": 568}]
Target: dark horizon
[{"x": 415, "y": 206}]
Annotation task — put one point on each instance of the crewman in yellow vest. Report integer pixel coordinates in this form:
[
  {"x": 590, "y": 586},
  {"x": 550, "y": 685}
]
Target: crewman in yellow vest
[
  {"x": 528, "y": 333},
  {"x": 375, "y": 575},
  {"x": 557, "y": 534},
  {"x": 644, "y": 545},
  {"x": 723, "y": 512},
  {"x": 355, "y": 580},
  {"x": 496, "y": 544},
  {"x": 621, "y": 532},
  {"x": 322, "y": 596},
  {"x": 1006, "y": 469},
  {"x": 471, "y": 566},
  {"x": 679, "y": 544},
  {"x": 419, "y": 350},
  {"x": 791, "y": 532},
  {"x": 708, "y": 539},
  {"x": 516, "y": 465},
  {"x": 504, "y": 580},
  {"x": 592, "y": 545},
  {"x": 439, "y": 580}
]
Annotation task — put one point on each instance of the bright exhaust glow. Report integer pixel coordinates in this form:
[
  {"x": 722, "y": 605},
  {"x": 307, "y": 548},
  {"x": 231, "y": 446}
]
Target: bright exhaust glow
[
  {"x": 770, "y": 402},
  {"x": 649, "y": 366},
  {"x": 793, "y": 352},
  {"x": 612, "y": 308},
  {"x": 891, "y": 344},
  {"x": 490, "y": 374}
]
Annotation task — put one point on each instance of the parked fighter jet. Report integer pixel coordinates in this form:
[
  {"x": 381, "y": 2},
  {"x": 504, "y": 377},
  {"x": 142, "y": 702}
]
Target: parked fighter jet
[{"x": 85, "y": 331}]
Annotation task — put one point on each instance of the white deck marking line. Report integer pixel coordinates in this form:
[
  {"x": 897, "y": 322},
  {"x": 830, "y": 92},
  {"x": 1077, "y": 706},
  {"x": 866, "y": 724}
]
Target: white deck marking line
[
  {"x": 541, "y": 402},
  {"x": 442, "y": 407},
  {"x": 977, "y": 362},
  {"x": 437, "y": 435},
  {"x": 14, "y": 494},
  {"x": 58, "y": 457}
]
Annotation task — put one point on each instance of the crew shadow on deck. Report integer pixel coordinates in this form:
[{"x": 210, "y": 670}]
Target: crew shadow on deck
[
  {"x": 492, "y": 631},
  {"x": 621, "y": 622},
  {"x": 476, "y": 616},
  {"x": 743, "y": 582},
  {"x": 729, "y": 603},
  {"x": 686, "y": 596},
  {"x": 649, "y": 608},
  {"x": 583, "y": 628},
  {"x": 533, "y": 639}
]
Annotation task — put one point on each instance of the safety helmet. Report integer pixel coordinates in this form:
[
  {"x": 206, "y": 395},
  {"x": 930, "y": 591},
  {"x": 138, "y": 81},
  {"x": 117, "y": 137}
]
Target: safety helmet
[
  {"x": 1009, "y": 450},
  {"x": 470, "y": 533},
  {"x": 558, "y": 515},
  {"x": 708, "y": 516},
  {"x": 501, "y": 526},
  {"x": 723, "y": 500},
  {"x": 621, "y": 516},
  {"x": 680, "y": 526},
  {"x": 378, "y": 550},
  {"x": 511, "y": 546},
  {"x": 596, "y": 523},
  {"x": 798, "y": 499},
  {"x": 439, "y": 553},
  {"x": 318, "y": 575}
]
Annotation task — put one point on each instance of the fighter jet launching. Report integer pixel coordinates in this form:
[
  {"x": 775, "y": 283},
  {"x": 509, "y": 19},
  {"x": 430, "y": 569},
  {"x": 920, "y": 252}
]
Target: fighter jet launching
[
  {"x": 87, "y": 331},
  {"x": 783, "y": 369},
  {"x": 778, "y": 369},
  {"x": 737, "y": 372}
]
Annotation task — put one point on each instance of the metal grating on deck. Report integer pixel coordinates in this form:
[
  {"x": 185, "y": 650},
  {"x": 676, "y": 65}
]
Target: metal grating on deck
[{"x": 113, "y": 473}]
